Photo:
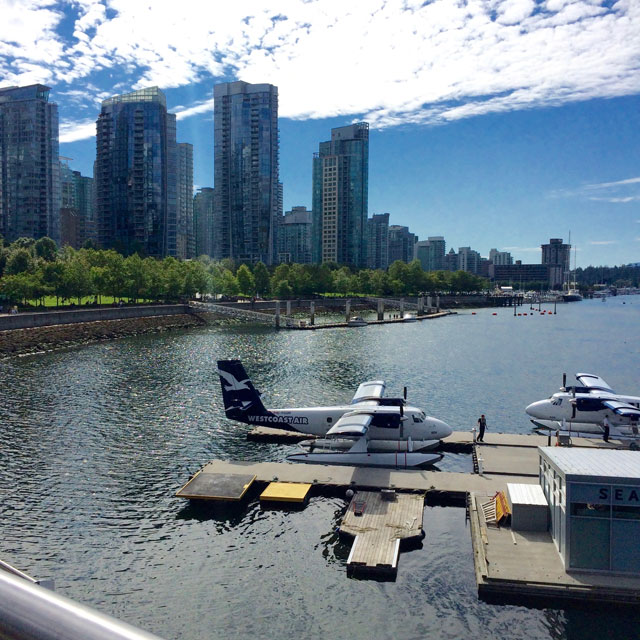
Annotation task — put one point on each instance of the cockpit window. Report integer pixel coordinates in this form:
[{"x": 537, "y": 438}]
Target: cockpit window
[
  {"x": 417, "y": 417},
  {"x": 556, "y": 401}
]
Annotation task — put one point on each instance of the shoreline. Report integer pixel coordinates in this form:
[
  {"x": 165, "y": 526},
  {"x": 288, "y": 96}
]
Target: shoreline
[{"x": 14, "y": 342}]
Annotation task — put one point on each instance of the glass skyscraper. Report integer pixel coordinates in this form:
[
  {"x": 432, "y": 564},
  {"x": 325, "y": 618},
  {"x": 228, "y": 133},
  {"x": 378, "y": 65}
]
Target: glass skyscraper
[
  {"x": 136, "y": 174},
  {"x": 203, "y": 221},
  {"x": 340, "y": 196},
  {"x": 186, "y": 239},
  {"x": 247, "y": 200},
  {"x": 29, "y": 166}
]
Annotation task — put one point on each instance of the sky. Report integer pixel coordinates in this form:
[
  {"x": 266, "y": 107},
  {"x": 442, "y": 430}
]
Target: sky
[{"x": 494, "y": 123}]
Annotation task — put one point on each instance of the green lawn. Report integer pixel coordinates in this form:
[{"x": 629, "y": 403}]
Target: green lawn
[{"x": 51, "y": 301}]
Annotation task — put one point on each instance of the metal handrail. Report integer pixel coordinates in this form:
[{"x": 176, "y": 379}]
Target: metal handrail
[{"x": 31, "y": 612}]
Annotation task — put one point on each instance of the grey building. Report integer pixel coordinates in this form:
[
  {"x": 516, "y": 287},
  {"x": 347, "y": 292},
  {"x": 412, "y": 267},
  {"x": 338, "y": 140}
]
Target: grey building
[
  {"x": 500, "y": 257},
  {"x": 402, "y": 244},
  {"x": 594, "y": 503},
  {"x": 468, "y": 260},
  {"x": 431, "y": 253},
  {"x": 340, "y": 197},
  {"x": 294, "y": 236},
  {"x": 29, "y": 166},
  {"x": 248, "y": 196},
  {"x": 136, "y": 174},
  {"x": 203, "y": 221},
  {"x": 556, "y": 254},
  {"x": 185, "y": 239},
  {"x": 378, "y": 241},
  {"x": 451, "y": 261},
  {"x": 520, "y": 274}
]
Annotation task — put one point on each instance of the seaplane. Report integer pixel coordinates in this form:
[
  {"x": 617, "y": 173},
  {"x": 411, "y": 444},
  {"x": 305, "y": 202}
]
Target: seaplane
[
  {"x": 372, "y": 430},
  {"x": 588, "y": 409}
]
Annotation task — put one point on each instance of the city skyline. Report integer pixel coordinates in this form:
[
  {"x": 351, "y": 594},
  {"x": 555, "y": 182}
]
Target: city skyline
[{"x": 517, "y": 122}]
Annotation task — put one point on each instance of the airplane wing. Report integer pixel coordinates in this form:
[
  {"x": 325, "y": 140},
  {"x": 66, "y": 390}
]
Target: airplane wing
[
  {"x": 594, "y": 383},
  {"x": 351, "y": 425},
  {"x": 369, "y": 391},
  {"x": 622, "y": 408}
]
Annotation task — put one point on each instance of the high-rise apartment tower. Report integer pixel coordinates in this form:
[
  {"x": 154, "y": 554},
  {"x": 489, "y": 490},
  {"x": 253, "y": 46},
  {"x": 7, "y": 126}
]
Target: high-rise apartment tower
[
  {"x": 340, "y": 196},
  {"x": 248, "y": 197},
  {"x": 136, "y": 174},
  {"x": 29, "y": 166}
]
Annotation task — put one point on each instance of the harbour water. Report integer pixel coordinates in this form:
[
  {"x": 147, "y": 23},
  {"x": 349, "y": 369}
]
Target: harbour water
[{"x": 95, "y": 441}]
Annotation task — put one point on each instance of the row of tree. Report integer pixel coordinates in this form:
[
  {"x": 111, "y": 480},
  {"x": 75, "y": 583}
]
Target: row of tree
[{"x": 33, "y": 270}]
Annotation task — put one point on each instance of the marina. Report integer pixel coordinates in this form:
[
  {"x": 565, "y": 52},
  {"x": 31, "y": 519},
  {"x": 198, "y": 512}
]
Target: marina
[{"x": 98, "y": 439}]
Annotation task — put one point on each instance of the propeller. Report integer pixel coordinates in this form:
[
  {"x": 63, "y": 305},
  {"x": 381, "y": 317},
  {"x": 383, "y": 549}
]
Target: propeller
[
  {"x": 404, "y": 393},
  {"x": 564, "y": 380}
]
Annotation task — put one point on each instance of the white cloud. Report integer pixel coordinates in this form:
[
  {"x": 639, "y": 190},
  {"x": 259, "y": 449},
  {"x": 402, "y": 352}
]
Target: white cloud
[
  {"x": 73, "y": 131},
  {"x": 602, "y": 242},
  {"x": 387, "y": 61}
]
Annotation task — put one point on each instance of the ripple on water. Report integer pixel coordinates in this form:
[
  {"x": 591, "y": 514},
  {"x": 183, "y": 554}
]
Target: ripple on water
[{"x": 96, "y": 440}]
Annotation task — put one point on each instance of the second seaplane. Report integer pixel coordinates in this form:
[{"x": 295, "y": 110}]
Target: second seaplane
[
  {"x": 371, "y": 430},
  {"x": 592, "y": 408}
]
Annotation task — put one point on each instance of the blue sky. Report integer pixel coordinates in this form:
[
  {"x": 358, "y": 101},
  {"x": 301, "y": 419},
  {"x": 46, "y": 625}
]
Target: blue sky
[{"x": 495, "y": 123}]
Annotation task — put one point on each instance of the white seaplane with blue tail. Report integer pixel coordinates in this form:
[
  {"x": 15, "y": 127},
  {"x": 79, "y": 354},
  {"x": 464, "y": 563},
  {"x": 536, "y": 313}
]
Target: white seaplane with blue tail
[{"x": 371, "y": 430}]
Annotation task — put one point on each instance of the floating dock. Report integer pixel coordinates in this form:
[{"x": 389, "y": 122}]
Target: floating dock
[
  {"x": 378, "y": 524},
  {"x": 304, "y": 326},
  {"x": 525, "y": 567},
  {"x": 286, "y": 492},
  {"x": 230, "y": 487}
]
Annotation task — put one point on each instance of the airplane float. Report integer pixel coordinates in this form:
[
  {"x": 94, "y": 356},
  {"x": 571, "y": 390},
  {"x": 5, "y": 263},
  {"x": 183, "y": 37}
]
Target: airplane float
[
  {"x": 370, "y": 431},
  {"x": 582, "y": 410}
]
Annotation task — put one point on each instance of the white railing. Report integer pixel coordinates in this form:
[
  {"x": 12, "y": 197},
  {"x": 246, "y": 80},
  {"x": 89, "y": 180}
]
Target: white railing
[{"x": 31, "y": 612}]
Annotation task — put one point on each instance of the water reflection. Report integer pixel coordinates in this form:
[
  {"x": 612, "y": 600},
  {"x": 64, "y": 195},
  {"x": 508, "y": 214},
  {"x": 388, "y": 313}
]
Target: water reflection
[{"x": 97, "y": 440}]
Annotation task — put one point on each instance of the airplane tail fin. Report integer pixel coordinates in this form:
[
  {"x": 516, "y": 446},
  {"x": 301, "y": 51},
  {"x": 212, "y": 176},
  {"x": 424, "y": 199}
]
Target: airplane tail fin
[{"x": 241, "y": 399}]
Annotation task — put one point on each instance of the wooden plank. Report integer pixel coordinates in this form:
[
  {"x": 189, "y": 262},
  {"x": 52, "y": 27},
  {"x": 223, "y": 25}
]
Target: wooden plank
[{"x": 378, "y": 531}]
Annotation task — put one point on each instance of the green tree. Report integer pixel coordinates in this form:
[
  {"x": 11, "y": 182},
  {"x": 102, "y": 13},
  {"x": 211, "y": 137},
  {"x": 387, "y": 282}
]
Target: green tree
[
  {"x": 135, "y": 276},
  {"x": 155, "y": 284},
  {"x": 51, "y": 274},
  {"x": 246, "y": 282},
  {"x": 46, "y": 249},
  {"x": 283, "y": 290},
  {"x": 115, "y": 276},
  {"x": 23, "y": 243},
  {"x": 416, "y": 277},
  {"x": 19, "y": 261},
  {"x": 261, "y": 277},
  {"x": 229, "y": 283},
  {"x": 76, "y": 278}
]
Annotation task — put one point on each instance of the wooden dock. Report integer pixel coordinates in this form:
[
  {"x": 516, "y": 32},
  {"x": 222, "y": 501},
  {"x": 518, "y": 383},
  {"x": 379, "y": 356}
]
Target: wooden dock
[
  {"x": 525, "y": 568},
  {"x": 304, "y": 326},
  {"x": 378, "y": 524}
]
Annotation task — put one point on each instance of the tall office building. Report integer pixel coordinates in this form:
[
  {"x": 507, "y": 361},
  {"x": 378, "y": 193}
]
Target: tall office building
[
  {"x": 431, "y": 253},
  {"x": 468, "y": 260},
  {"x": 402, "y": 244},
  {"x": 248, "y": 196},
  {"x": 29, "y": 166},
  {"x": 500, "y": 258},
  {"x": 378, "y": 241},
  {"x": 557, "y": 257},
  {"x": 84, "y": 194},
  {"x": 136, "y": 174},
  {"x": 186, "y": 246},
  {"x": 203, "y": 221},
  {"x": 294, "y": 236},
  {"x": 340, "y": 197}
]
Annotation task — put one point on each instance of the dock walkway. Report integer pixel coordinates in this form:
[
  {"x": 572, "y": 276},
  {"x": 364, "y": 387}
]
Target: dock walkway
[
  {"x": 516, "y": 566},
  {"x": 378, "y": 525}
]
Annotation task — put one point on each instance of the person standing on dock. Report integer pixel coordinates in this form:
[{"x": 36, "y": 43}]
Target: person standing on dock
[
  {"x": 482, "y": 425},
  {"x": 607, "y": 427}
]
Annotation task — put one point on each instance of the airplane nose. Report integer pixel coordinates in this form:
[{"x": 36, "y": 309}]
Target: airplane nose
[
  {"x": 445, "y": 429},
  {"x": 536, "y": 409}
]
